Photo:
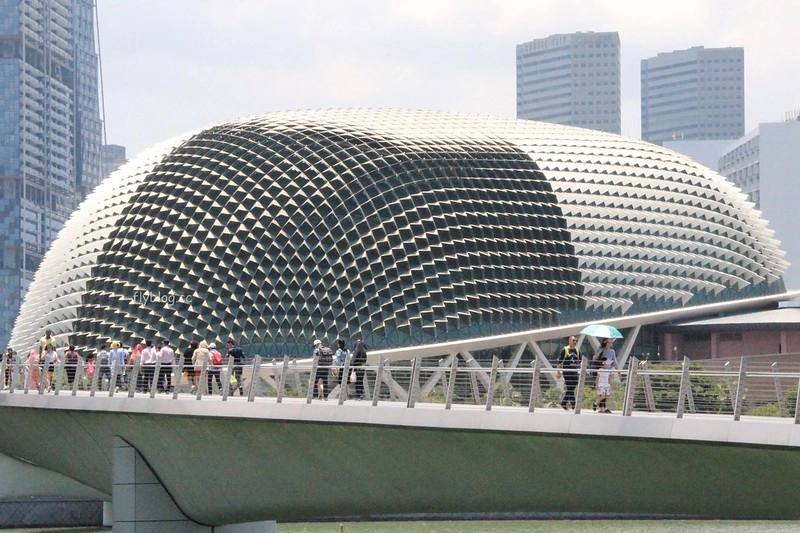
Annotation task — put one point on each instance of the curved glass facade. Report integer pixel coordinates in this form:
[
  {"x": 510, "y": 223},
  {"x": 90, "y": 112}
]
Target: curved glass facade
[{"x": 404, "y": 227}]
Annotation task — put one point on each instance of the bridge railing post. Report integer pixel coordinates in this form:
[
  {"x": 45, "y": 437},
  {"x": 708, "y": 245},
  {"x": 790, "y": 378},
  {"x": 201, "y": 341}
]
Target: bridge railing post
[
  {"x": 155, "y": 379},
  {"x": 582, "y": 372},
  {"x": 312, "y": 380},
  {"x": 378, "y": 380},
  {"x": 740, "y": 390},
  {"x": 492, "y": 383},
  {"x": 133, "y": 379},
  {"x": 30, "y": 365},
  {"x": 282, "y": 378},
  {"x": 535, "y": 389},
  {"x": 344, "y": 378},
  {"x": 630, "y": 387},
  {"x": 778, "y": 389},
  {"x": 116, "y": 371},
  {"x": 413, "y": 385},
  {"x": 226, "y": 383},
  {"x": 797, "y": 404},
  {"x": 684, "y": 386},
  {"x": 79, "y": 372},
  {"x": 176, "y": 384},
  {"x": 95, "y": 377},
  {"x": 58, "y": 376},
  {"x": 648, "y": 386},
  {"x": 251, "y": 391},
  {"x": 731, "y": 384},
  {"x": 451, "y": 381}
]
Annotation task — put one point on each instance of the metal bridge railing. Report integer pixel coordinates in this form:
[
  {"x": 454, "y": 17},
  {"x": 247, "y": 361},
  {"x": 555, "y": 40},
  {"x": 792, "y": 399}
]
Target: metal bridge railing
[{"x": 757, "y": 386}]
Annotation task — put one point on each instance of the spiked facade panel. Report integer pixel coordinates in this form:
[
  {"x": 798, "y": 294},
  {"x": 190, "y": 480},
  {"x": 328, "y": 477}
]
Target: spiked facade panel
[{"x": 404, "y": 227}]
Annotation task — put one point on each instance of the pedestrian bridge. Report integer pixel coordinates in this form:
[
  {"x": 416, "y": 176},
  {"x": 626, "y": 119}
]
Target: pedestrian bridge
[
  {"x": 431, "y": 438},
  {"x": 444, "y": 430}
]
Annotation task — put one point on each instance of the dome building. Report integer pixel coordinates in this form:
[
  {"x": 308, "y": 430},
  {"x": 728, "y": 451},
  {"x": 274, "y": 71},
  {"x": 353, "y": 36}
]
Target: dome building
[{"x": 402, "y": 227}]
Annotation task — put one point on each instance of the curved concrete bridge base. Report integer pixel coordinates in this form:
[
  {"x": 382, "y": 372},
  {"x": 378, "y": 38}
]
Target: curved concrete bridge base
[{"x": 141, "y": 504}]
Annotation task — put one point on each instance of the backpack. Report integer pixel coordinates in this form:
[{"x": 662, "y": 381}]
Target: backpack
[
  {"x": 325, "y": 356},
  {"x": 216, "y": 358},
  {"x": 569, "y": 362},
  {"x": 359, "y": 355}
]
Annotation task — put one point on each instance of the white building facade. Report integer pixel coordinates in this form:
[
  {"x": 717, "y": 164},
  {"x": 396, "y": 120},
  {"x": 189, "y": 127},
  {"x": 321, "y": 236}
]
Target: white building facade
[
  {"x": 694, "y": 94},
  {"x": 571, "y": 79},
  {"x": 766, "y": 166}
]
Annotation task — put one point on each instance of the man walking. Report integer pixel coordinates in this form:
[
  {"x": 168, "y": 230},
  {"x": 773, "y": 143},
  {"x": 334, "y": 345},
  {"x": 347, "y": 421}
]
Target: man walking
[
  {"x": 569, "y": 361},
  {"x": 166, "y": 356}
]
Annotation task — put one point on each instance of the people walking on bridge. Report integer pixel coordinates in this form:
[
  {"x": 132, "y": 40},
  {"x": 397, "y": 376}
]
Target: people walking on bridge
[
  {"x": 339, "y": 358},
  {"x": 567, "y": 363},
  {"x": 235, "y": 352},
  {"x": 200, "y": 357},
  {"x": 166, "y": 355},
  {"x": 32, "y": 370},
  {"x": 149, "y": 358},
  {"x": 604, "y": 386},
  {"x": 136, "y": 354},
  {"x": 49, "y": 363},
  {"x": 214, "y": 368},
  {"x": 48, "y": 339},
  {"x": 607, "y": 358},
  {"x": 188, "y": 364},
  {"x": 118, "y": 358},
  {"x": 359, "y": 361},
  {"x": 102, "y": 363},
  {"x": 9, "y": 359},
  {"x": 324, "y": 357},
  {"x": 71, "y": 364}
]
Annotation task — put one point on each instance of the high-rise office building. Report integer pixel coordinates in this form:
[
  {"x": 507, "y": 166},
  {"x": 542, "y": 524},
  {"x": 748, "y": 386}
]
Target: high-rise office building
[
  {"x": 571, "y": 79},
  {"x": 758, "y": 164},
  {"x": 50, "y": 133},
  {"x": 694, "y": 94},
  {"x": 113, "y": 156}
]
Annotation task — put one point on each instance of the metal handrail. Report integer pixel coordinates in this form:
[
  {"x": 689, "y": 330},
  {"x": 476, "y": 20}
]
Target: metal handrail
[{"x": 486, "y": 385}]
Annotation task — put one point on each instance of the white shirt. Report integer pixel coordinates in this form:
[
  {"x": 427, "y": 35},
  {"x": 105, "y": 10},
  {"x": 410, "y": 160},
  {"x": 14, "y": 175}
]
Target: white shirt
[
  {"x": 149, "y": 356},
  {"x": 167, "y": 355}
]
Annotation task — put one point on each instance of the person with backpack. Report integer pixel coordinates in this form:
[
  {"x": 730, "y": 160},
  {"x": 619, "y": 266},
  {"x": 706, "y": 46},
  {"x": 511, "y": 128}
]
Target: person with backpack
[
  {"x": 235, "y": 351},
  {"x": 214, "y": 368},
  {"x": 568, "y": 363},
  {"x": 324, "y": 357}
]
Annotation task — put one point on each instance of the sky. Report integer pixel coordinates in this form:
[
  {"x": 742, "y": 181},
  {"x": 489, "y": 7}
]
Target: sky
[{"x": 173, "y": 66}]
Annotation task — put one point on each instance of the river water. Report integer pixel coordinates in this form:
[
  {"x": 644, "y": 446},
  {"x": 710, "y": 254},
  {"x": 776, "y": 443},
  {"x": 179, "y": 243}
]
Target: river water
[
  {"x": 517, "y": 526},
  {"x": 556, "y": 526}
]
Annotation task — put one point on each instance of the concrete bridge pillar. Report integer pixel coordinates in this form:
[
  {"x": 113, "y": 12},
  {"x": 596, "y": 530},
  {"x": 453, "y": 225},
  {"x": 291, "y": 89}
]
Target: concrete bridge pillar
[{"x": 141, "y": 504}]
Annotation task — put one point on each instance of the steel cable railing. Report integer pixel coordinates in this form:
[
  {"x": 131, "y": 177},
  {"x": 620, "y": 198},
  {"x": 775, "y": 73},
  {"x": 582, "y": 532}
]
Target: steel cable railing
[{"x": 757, "y": 386}]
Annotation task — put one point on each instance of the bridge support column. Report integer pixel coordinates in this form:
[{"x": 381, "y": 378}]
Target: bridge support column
[{"x": 142, "y": 504}]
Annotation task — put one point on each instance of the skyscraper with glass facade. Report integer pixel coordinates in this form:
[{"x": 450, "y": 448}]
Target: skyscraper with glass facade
[
  {"x": 694, "y": 95},
  {"x": 571, "y": 79},
  {"x": 50, "y": 133}
]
